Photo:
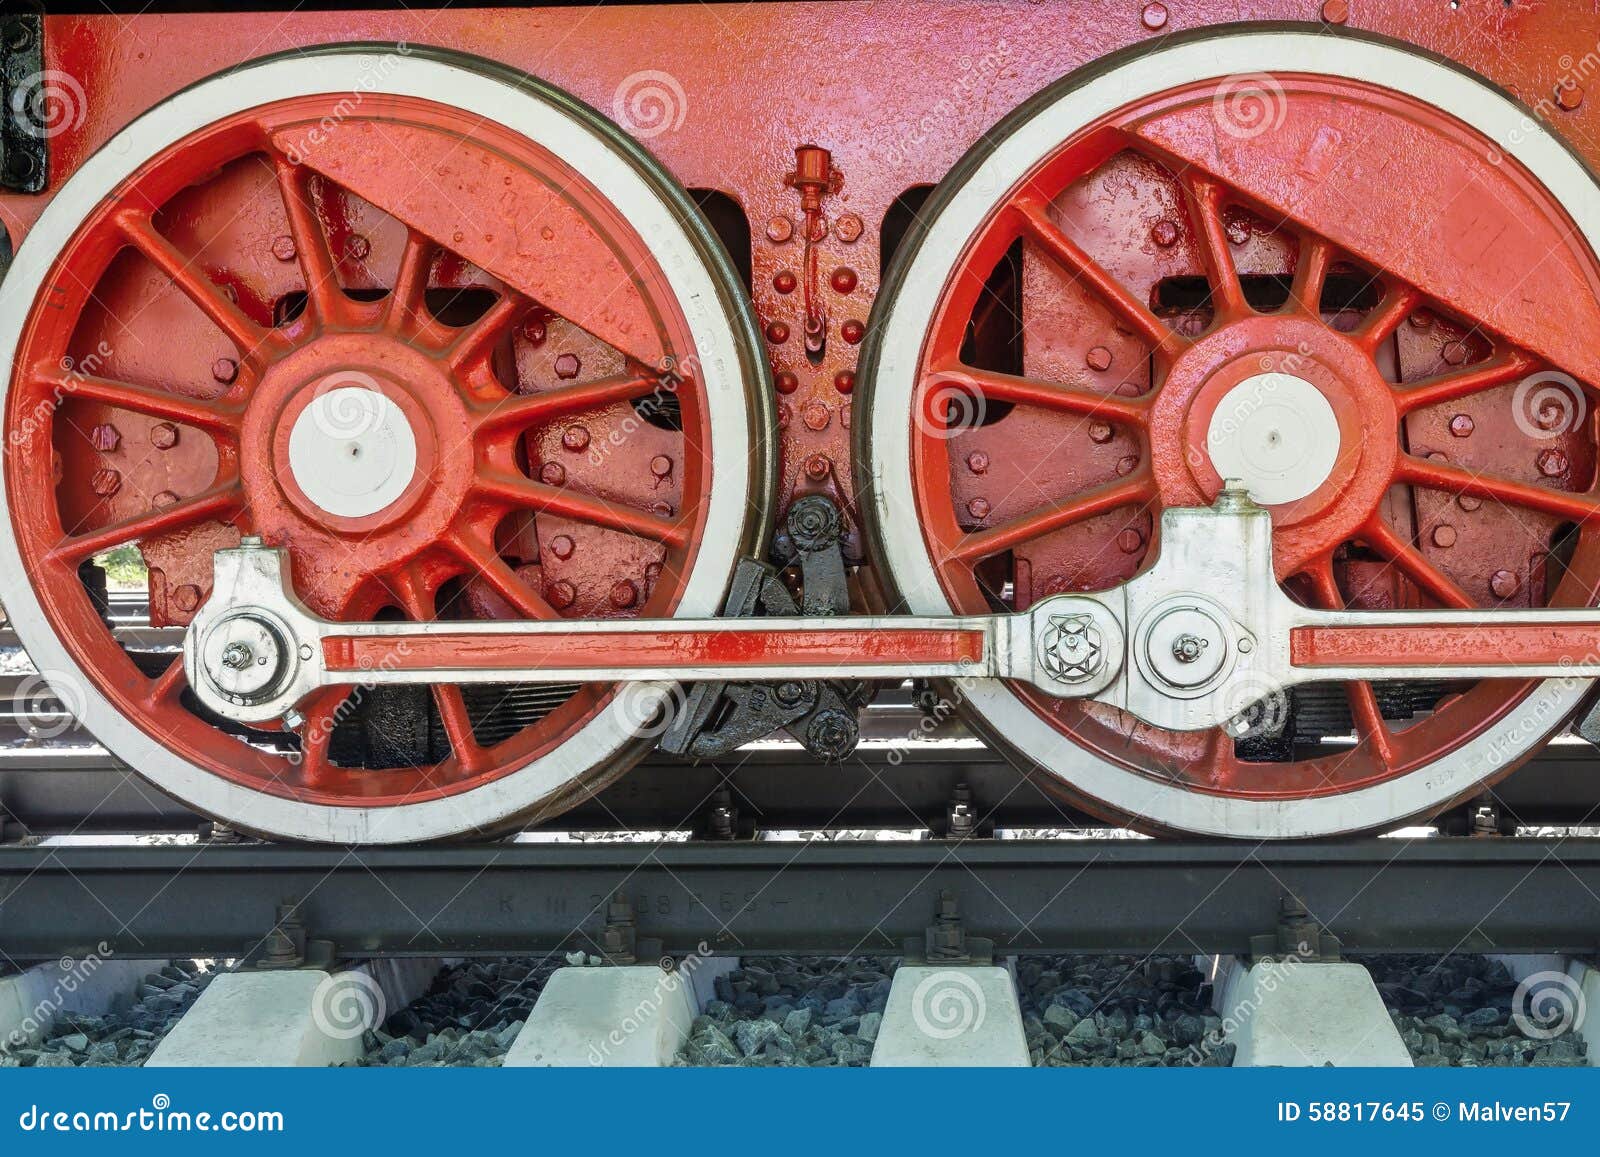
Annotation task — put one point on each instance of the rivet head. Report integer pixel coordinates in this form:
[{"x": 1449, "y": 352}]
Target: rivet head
[
  {"x": 1154, "y": 16},
  {"x": 661, "y": 466},
  {"x": 1552, "y": 463},
  {"x": 1100, "y": 432},
  {"x": 786, "y": 382},
  {"x": 225, "y": 370},
  {"x": 777, "y": 332},
  {"x": 105, "y": 482},
  {"x": 852, "y": 331},
  {"x": 845, "y": 381},
  {"x": 623, "y": 595},
  {"x": 1165, "y": 233},
  {"x": 105, "y": 437},
  {"x": 848, "y": 228},
  {"x": 1504, "y": 584},
  {"x": 553, "y": 474},
  {"x": 1098, "y": 358},
  {"x": 164, "y": 499},
  {"x": 1130, "y": 541},
  {"x": 534, "y": 330},
  {"x": 567, "y": 366},
  {"x": 575, "y": 438},
  {"x": 163, "y": 435},
  {"x": 843, "y": 279},
  {"x": 186, "y": 597},
  {"x": 979, "y": 508},
  {"x": 1569, "y": 96},
  {"x": 560, "y": 594},
  {"x": 562, "y": 546},
  {"x": 1454, "y": 352},
  {"x": 1444, "y": 536},
  {"x": 357, "y": 247},
  {"x": 1462, "y": 425},
  {"x": 785, "y": 282},
  {"x": 1468, "y": 502},
  {"x": 1238, "y": 231},
  {"x": 1335, "y": 11},
  {"x": 779, "y": 229},
  {"x": 978, "y": 462},
  {"x": 1127, "y": 465}
]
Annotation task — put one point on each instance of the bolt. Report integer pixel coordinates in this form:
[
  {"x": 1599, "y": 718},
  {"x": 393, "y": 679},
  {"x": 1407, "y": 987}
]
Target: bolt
[
  {"x": 225, "y": 370},
  {"x": 1467, "y": 502},
  {"x": 1129, "y": 541},
  {"x": 163, "y": 435},
  {"x": 562, "y": 546},
  {"x": 623, "y": 595},
  {"x": 105, "y": 437},
  {"x": 780, "y": 229},
  {"x": 534, "y": 331},
  {"x": 790, "y": 692},
  {"x": 1165, "y": 233},
  {"x": 1238, "y": 230},
  {"x": 105, "y": 482},
  {"x": 852, "y": 331},
  {"x": 1552, "y": 463},
  {"x": 1127, "y": 465},
  {"x": 845, "y": 381},
  {"x": 978, "y": 462},
  {"x": 816, "y": 415},
  {"x": 1444, "y": 536},
  {"x": 186, "y": 597},
  {"x": 1187, "y": 648},
  {"x": 1461, "y": 425},
  {"x": 785, "y": 282},
  {"x": 283, "y": 247},
  {"x": 979, "y": 508},
  {"x": 1100, "y": 432},
  {"x": 1455, "y": 352},
  {"x": 661, "y": 466},
  {"x": 164, "y": 499},
  {"x": 567, "y": 366},
  {"x": 1099, "y": 358},
  {"x": 777, "y": 332},
  {"x": 1504, "y": 584},
  {"x": 553, "y": 474},
  {"x": 357, "y": 247},
  {"x": 238, "y": 655},
  {"x": 848, "y": 228},
  {"x": 818, "y": 467},
  {"x": 786, "y": 382},
  {"x": 1154, "y": 16},
  {"x": 1569, "y": 96},
  {"x": 843, "y": 279},
  {"x": 560, "y": 594},
  {"x": 1421, "y": 319},
  {"x": 575, "y": 438},
  {"x": 1335, "y": 11}
]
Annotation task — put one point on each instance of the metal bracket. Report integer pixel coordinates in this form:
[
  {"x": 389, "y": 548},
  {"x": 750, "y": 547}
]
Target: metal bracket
[
  {"x": 945, "y": 941},
  {"x": 620, "y": 942},
  {"x": 24, "y": 91},
  {"x": 1297, "y": 938},
  {"x": 289, "y": 945}
]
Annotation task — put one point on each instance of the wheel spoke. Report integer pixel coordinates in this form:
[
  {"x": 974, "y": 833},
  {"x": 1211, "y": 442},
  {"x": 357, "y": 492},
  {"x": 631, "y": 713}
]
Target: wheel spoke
[
  {"x": 218, "y": 502},
  {"x": 1036, "y": 223},
  {"x": 1457, "y": 481},
  {"x": 201, "y": 413},
  {"x": 1311, "y": 274},
  {"x": 1034, "y": 392},
  {"x": 1448, "y": 387},
  {"x": 323, "y": 293},
  {"x": 478, "y": 339},
  {"x": 226, "y": 316},
  {"x": 410, "y": 283},
  {"x": 1440, "y": 586},
  {"x": 556, "y": 500},
  {"x": 1381, "y": 323},
  {"x": 316, "y": 734},
  {"x": 414, "y": 600},
  {"x": 1364, "y": 712},
  {"x": 1135, "y": 490},
  {"x": 484, "y": 563},
  {"x": 166, "y": 687},
  {"x": 1204, "y": 197},
  {"x": 519, "y": 411}
]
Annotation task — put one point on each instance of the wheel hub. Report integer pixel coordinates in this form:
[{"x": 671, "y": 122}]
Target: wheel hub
[
  {"x": 1277, "y": 434},
  {"x": 352, "y": 451}
]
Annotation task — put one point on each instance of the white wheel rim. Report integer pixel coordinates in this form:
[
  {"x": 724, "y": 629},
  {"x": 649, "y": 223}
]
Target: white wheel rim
[
  {"x": 340, "y": 72},
  {"x": 907, "y": 321}
]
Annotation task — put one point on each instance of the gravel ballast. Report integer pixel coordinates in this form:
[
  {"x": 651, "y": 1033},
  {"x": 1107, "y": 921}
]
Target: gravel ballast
[
  {"x": 124, "y": 1038},
  {"x": 1109, "y": 1011},
  {"x": 469, "y": 1016}
]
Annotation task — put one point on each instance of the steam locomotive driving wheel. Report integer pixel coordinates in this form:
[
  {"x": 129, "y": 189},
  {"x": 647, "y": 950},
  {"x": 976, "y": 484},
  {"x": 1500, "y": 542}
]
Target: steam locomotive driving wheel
[{"x": 1178, "y": 268}]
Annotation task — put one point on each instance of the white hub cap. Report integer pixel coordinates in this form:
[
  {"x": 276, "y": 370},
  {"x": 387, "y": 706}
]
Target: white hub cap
[
  {"x": 352, "y": 451},
  {"x": 1277, "y": 434}
]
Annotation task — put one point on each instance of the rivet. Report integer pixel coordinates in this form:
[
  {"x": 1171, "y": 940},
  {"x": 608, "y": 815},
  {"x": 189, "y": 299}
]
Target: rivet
[
  {"x": 553, "y": 474},
  {"x": 1569, "y": 96},
  {"x": 562, "y": 546},
  {"x": 978, "y": 462},
  {"x": 785, "y": 415},
  {"x": 1504, "y": 584},
  {"x": 1335, "y": 11},
  {"x": 1444, "y": 536},
  {"x": 845, "y": 381},
  {"x": 661, "y": 466},
  {"x": 1462, "y": 425},
  {"x": 852, "y": 331},
  {"x": 163, "y": 435},
  {"x": 560, "y": 594},
  {"x": 534, "y": 331},
  {"x": 818, "y": 467},
  {"x": 979, "y": 508},
  {"x": 1154, "y": 16},
  {"x": 105, "y": 482},
  {"x": 1100, "y": 432},
  {"x": 843, "y": 279},
  {"x": 283, "y": 247},
  {"x": 1129, "y": 541},
  {"x": 780, "y": 229},
  {"x": 786, "y": 382},
  {"x": 1455, "y": 352},
  {"x": 623, "y": 595},
  {"x": 1468, "y": 502},
  {"x": 664, "y": 509},
  {"x": 164, "y": 499},
  {"x": 225, "y": 370},
  {"x": 785, "y": 282},
  {"x": 575, "y": 438},
  {"x": 1552, "y": 463},
  {"x": 1165, "y": 233},
  {"x": 1238, "y": 231},
  {"x": 816, "y": 416},
  {"x": 105, "y": 437},
  {"x": 1127, "y": 465},
  {"x": 848, "y": 228},
  {"x": 777, "y": 332},
  {"x": 567, "y": 366},
  {"x": 186, "y": 597},
  {"x": 1421, "y": 319},
  {"x": 358, "y": 246},
  {"x": 1098, "y": 358}
]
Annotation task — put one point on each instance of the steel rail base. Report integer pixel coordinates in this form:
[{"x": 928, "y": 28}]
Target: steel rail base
[{"x": 751, "y": 898}]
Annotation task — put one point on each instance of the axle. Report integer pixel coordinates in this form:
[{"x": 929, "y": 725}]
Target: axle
[{"x": 1192, "y": 643}]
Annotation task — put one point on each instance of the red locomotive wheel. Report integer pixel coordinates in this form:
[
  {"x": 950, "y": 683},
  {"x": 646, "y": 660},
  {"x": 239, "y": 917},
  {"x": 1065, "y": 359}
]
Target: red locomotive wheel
[
  {"x": 452, "y": 341},
  {"x": 1374, "y": 312}
]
